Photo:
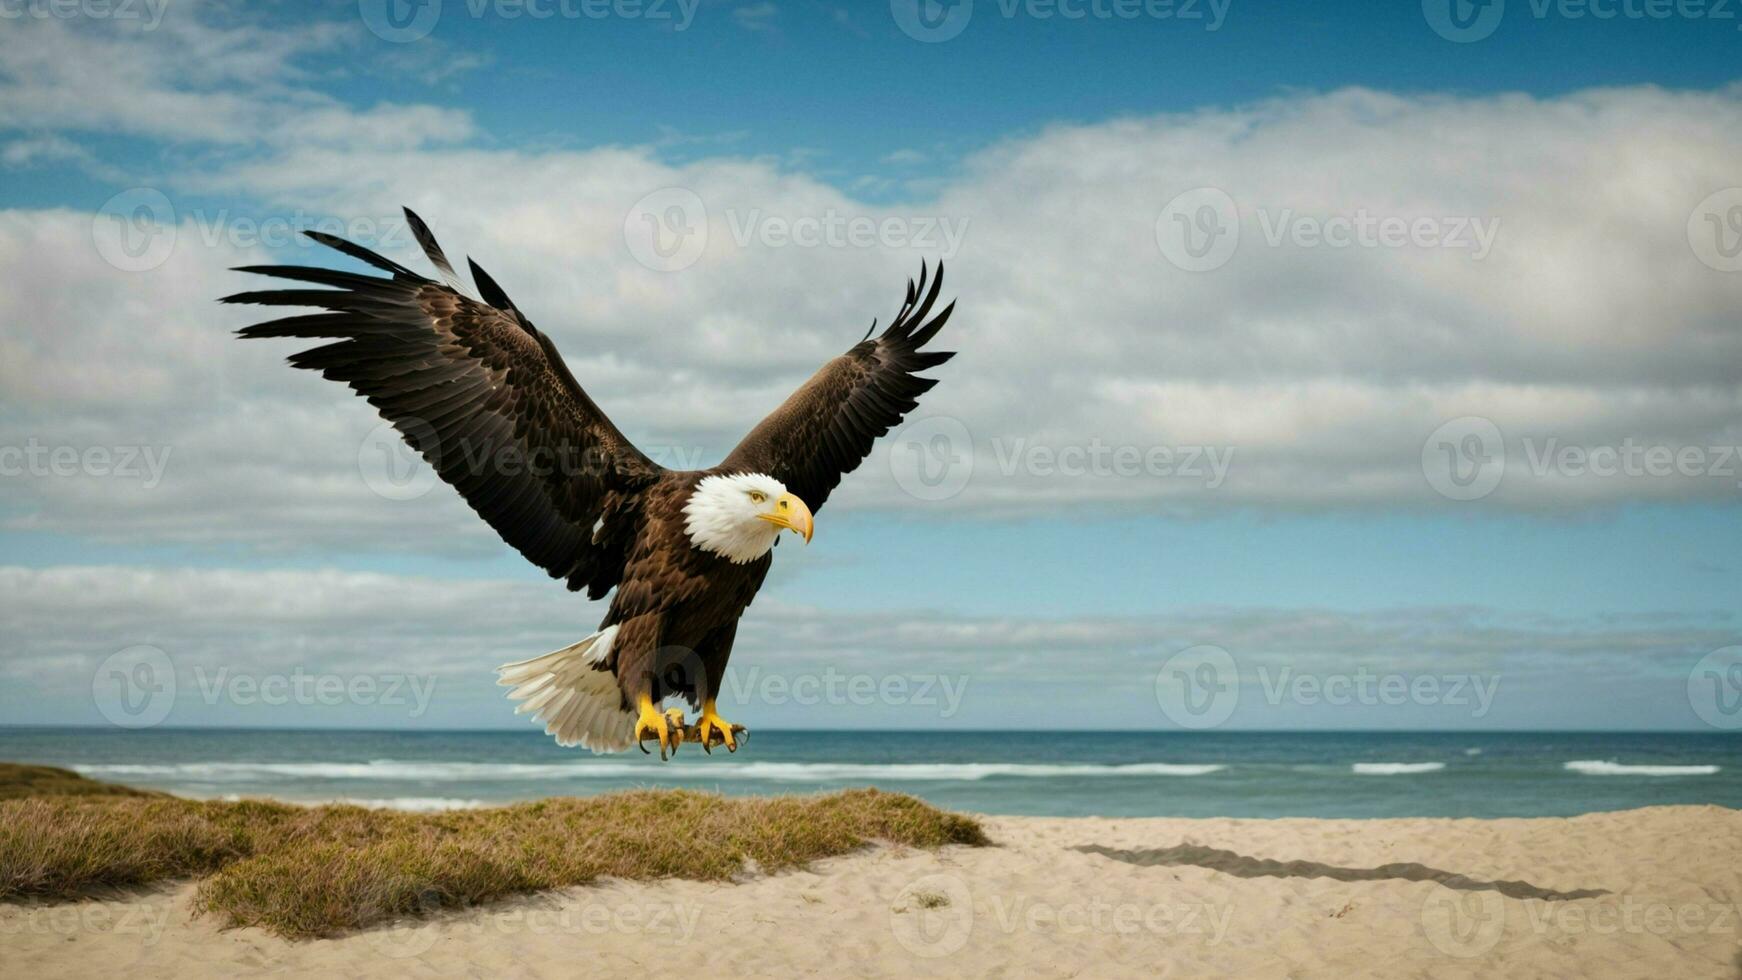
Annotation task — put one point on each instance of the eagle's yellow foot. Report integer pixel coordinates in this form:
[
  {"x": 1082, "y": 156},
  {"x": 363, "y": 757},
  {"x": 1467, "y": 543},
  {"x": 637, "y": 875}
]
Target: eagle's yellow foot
[
  {"x": 666, "y": 728},
  {"x": 712, "y": 730}
]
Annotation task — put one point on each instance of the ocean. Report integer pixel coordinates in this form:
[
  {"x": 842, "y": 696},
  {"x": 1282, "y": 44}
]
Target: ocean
[{"x": 1230, "y": 774}]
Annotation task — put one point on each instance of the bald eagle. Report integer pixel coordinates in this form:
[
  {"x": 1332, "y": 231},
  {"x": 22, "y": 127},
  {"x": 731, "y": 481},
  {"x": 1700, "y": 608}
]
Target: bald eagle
[{"x": 483, "y": 396}]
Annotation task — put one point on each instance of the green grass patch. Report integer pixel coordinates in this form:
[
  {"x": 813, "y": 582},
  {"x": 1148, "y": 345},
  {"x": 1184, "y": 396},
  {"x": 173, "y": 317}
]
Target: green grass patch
[{"x": 317, "y": 871}]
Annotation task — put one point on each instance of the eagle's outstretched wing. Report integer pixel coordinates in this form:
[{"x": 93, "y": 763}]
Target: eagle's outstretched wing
[
  {"x": 481, "y": 394},
  {"x": 825, "y": 429}
]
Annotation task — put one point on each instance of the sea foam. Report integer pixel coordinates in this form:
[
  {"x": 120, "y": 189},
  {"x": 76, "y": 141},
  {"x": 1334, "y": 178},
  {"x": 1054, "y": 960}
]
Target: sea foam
[
  {"x": 388, "y": 769},
  {"x": 1598, "y": 767},
  {"x": 1395, "y": 768}
]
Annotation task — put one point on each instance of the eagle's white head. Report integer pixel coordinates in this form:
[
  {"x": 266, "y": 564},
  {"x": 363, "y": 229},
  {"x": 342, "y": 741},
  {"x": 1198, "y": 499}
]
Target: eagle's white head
[{"x": 738, "y": 516}]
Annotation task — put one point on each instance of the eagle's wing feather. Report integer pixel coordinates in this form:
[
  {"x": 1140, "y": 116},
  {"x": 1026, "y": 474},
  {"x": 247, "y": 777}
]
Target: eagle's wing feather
[
  {"x": 825, "y": 429},
  {"x": 480, "y": 393}
]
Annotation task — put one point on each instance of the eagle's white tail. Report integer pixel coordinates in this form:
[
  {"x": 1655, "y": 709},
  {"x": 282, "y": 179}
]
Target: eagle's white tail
[{"x": 571, "y": 692}]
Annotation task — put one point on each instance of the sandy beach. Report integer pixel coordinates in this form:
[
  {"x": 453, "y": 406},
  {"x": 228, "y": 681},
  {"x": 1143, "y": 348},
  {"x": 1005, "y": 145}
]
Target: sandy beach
[{"x": 1642, "y": 893}]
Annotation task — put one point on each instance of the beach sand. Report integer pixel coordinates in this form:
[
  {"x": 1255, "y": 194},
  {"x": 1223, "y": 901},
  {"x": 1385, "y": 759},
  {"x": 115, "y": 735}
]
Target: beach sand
[{"x": 1649, "y": 893}]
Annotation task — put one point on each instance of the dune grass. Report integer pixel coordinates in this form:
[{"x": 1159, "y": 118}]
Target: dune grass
[
  {"x": 318, "y": 871},
  {"x": 20, "y": 780}
]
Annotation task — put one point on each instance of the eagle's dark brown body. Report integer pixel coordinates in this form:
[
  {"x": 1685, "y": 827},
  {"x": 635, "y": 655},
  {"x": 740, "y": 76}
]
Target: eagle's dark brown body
[
  {"x": 677, "y": 608},
  {"x": 484, "y": 396}
]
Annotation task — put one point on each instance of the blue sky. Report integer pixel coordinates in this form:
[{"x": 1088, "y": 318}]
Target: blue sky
[{"x": 1589, "y": 142}]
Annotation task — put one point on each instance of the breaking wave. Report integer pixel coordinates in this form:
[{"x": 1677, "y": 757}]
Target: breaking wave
[
  {"x": 1395, "y": 768},
  {"x": 1598, "y": 767},
  {"x": 388, "y": 769}
]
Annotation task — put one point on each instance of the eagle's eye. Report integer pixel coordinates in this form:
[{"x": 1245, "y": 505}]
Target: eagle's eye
[{"x": 758, "y": 497}]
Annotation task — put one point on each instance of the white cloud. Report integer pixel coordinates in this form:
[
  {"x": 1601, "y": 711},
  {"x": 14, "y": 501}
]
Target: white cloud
[
  {"x": 192, "y": 80},
  {"x": 65, "y": 621},
  {"x": 1093, "y": 372},
  {"x": 53, "y": 149}
]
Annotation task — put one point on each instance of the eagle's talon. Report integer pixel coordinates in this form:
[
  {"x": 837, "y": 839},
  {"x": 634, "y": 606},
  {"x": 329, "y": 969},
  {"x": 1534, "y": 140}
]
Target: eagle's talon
[
  {"x": 712, "y": 730},
  {"x": 674, "y": 721},
  {"x": 666, "y": 728}
]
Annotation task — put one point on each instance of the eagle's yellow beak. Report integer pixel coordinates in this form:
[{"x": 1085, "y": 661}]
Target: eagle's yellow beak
[{"x": 791, "y": 513}]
